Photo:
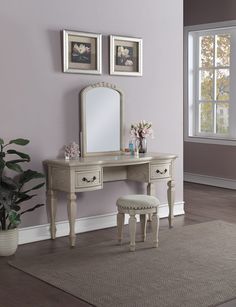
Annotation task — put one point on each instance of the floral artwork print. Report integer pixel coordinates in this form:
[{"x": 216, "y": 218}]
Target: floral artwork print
[
  {"x": 124, "y": 56},
  {"x": 80, "y": 52}
]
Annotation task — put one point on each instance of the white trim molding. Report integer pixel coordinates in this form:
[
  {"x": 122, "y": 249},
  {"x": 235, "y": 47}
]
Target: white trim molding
[
  {"x": 84, "y": 224},
  {"x": 209, "y": 140},
  {"x": 210, "y": 180}
]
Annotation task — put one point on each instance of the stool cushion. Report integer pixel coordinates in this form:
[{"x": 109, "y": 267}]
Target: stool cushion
[{"x": 137, "y": 202}]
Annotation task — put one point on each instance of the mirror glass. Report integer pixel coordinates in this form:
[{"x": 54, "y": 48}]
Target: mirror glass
[{"x": 101, "y": 111}]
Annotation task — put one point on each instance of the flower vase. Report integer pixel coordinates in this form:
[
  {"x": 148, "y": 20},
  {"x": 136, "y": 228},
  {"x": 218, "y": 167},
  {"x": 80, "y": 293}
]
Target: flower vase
[{"x": 141, "y": 145}]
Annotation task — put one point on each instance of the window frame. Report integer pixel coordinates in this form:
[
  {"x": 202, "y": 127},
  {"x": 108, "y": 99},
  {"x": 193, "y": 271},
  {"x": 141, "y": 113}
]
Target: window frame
[{"x": 190, "y": 93}]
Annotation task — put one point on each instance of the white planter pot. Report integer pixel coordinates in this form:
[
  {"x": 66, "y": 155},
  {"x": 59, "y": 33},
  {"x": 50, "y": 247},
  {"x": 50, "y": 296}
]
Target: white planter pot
[{"x": 8, "y": 241}]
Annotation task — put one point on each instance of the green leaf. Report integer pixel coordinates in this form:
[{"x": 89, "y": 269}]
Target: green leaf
[
  {"x": 2, "y": 163},
  {"x": 21, "y": 142},
  {"x": 20, "y": 154},
  {"x": 6, "y": 198},
  {"x": 1, "y": 141},
  {"x": 24, "y": 197},
  {"x": 32, "y": 209},
  {"x": 18, "y": 161},
  {"x": 9, "y": 183},
  {"x": 29, "y": 175},
  {"x": 15, "y": 208},
  {"x": 14, "y": 219},
  {"x": 15, "y": 167},
  {"x": 38, "y": 186}
]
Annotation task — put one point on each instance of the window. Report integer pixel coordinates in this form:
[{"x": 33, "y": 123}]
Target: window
[{"x": 211, "y": 75}]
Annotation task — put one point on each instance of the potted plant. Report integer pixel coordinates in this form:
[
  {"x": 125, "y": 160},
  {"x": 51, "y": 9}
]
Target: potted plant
[{"x": 14, "y": 191}]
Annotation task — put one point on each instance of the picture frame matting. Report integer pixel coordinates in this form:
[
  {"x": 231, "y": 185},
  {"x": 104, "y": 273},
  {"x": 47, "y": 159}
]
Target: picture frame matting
[
  {"x": 126, "y": 56},
  {"x": 82, "y": 52}
]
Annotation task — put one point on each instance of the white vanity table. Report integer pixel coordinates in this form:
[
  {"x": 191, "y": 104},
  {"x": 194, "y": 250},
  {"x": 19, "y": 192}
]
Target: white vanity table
[
  {"x": 103, "y": 158},
  {"x": 90, "y": 173}
]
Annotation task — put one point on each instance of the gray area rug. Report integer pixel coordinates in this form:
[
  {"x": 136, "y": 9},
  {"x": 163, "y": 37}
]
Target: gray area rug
[{"x": 193, "y": 266}]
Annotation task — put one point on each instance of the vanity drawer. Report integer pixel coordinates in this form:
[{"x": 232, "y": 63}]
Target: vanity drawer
[
  {"x": 160, "y": 171},
  {"x": 86, "y": 179}
]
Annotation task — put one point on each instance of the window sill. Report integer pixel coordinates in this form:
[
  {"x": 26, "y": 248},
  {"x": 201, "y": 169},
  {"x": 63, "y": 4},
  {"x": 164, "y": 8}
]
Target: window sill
[{"x": 210, "y": 140}]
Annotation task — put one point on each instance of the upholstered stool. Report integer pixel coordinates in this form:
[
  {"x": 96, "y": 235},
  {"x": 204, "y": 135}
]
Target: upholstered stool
[{"x": 138, "y": 204}]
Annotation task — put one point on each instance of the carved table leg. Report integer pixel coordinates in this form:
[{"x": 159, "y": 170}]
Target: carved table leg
[
  {"x": 143, "y": 221},
  {"x": 171, "y": 198},
  {"x": 52, "y": 204},
  {"x": 151, "y": 192},
  {"x": 71, "y": 208},
  {"x": 132, "y": 231},
  {"x": 151, "y": 189},
  {"x": 120, "y": 225}
]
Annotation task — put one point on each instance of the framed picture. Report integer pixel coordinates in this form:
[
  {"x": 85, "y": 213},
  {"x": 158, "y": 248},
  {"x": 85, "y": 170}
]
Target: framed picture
[
  {"x": 126, "y": 56},
  {"x": 82, "y": 52}
]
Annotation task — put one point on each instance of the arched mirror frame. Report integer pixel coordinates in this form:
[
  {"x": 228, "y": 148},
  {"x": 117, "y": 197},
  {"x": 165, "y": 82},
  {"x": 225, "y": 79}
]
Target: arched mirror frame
[{"x": 83, "y": 132}]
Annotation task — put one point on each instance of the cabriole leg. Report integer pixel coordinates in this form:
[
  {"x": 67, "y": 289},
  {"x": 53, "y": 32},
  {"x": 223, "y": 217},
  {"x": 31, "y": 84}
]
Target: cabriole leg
[
  {"x": 151, "y": 192},
  {"x": 171, "y": 199},
  {"x": 52, "y": 205},
  {"x": 71, "y": 208}
]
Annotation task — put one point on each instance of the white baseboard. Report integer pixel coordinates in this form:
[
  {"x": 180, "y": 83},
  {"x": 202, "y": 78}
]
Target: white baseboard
[
  {"x": 209, "y": 180},
  {"x": 41, "y": 232}
]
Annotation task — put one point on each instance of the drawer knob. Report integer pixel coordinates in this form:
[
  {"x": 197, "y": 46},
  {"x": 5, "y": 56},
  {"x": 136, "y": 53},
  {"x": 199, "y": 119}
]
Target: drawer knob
[
  {"x": 161, "y": 172},
  {"x": 89, "y": 180}
]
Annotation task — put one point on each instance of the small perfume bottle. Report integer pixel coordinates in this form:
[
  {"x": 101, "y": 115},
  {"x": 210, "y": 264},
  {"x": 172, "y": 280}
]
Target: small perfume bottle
[{"x": 131, "y": 147}]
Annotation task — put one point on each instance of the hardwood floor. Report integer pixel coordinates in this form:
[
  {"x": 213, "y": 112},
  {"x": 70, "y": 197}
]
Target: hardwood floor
[{"x": 17, "y": 289}]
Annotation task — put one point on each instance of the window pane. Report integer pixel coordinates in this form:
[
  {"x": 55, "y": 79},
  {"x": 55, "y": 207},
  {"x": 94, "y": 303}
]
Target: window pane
[
  {"x": 206, "y": 117},
  {"x": 206, "y": 85},
  {"x": 222, "y": 118},
  {"x": 223, "y": 50},
  {"x": 222, "y": 84},
  {"x": 206, "y": 50}
]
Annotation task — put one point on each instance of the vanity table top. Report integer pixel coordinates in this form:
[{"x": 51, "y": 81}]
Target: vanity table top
[{"x": 110, "y": 160}]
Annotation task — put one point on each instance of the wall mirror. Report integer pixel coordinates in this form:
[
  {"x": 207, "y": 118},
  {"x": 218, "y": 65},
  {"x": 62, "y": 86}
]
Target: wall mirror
[{"x": 101, "y": 120}]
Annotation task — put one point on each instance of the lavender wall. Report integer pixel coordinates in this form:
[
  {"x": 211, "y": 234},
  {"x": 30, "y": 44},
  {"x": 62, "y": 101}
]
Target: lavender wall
[
  {"x": 206, "y": 159},
  {"x": 40, "y": 102}
]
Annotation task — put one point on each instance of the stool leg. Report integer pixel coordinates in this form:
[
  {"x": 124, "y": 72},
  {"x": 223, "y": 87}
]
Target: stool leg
[
  {"x": 143, "y": 221},
  {"x": 120, "y": 225},
  {"x": 155, "y": 228},
  {"x": 150, "y": 191},
  {"x": 149, "y": 217},
  {"x": 132, "y": 230}
]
